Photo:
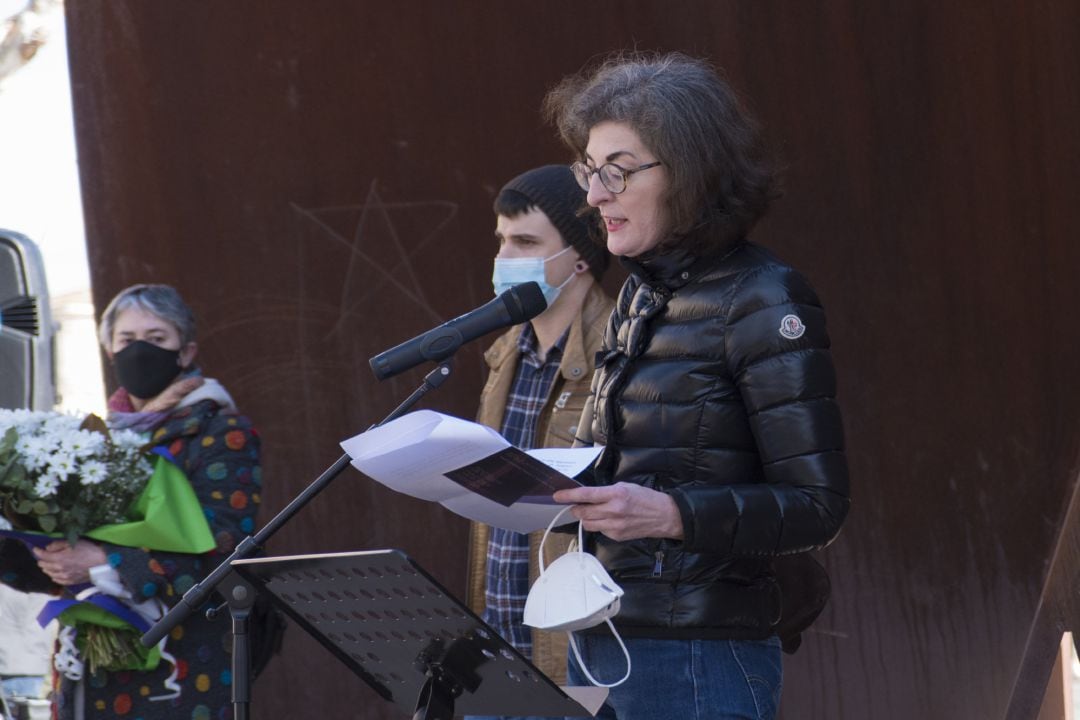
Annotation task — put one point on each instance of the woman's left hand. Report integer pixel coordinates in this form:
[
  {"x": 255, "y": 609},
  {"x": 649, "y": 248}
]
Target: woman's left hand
[
  {"x": 624, "y": 511},
  {"x": 69, "y": 564}
]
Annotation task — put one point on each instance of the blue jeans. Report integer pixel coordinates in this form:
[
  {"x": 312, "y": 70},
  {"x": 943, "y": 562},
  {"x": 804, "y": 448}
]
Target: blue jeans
[
  {"x": 507, "y": 717},
  {"x": 685, "y": 679}
]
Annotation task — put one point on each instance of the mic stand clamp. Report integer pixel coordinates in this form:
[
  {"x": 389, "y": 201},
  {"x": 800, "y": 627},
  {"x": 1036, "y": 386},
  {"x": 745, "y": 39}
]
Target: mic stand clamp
[{"x": 240, "y": 597}]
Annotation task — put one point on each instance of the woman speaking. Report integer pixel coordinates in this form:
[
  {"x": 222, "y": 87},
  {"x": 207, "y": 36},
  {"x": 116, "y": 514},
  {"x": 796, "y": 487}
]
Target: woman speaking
[{"x": 714, "y": 394}]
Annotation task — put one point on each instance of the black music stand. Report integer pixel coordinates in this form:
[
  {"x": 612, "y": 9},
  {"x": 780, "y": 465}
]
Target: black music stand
[{"x": 408, "y": 638}]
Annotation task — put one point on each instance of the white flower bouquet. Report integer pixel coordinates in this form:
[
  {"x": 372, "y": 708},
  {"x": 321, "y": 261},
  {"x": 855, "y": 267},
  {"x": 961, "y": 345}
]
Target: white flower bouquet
[
  {"x": 63, "y": 476},
  {"x": 61, "y": 473}
]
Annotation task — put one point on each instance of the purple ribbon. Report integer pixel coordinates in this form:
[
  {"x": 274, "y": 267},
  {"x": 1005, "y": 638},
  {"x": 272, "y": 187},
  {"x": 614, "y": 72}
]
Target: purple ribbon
[
  {"x": 54, "y": 608},
  {"x": 30, "y": 539}
]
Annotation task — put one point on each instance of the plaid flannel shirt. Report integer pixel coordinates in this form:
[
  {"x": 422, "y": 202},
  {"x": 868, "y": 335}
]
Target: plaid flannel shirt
[{"x": 507, "y": 567}]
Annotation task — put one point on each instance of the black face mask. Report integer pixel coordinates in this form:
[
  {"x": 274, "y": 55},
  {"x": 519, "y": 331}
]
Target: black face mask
[{"x": 144, "y": 369}]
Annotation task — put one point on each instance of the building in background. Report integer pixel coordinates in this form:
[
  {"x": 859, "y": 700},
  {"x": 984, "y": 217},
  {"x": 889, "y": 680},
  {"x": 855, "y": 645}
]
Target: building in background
[
  {"x": 39, "y": 187},
  {"x": 48, "y": 353}
]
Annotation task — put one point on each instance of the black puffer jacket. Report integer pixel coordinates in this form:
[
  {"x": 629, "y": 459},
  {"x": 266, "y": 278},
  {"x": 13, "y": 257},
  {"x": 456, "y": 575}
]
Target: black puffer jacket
[{"x": 716, "y": 386}]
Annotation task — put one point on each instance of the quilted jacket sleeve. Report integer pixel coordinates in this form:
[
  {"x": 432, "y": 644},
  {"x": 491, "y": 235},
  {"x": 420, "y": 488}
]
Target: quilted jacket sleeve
[{"x": 777, "y": 351}]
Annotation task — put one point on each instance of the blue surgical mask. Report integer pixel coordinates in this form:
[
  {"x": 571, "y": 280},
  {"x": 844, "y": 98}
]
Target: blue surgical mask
[{"x": 514, "y": 271}]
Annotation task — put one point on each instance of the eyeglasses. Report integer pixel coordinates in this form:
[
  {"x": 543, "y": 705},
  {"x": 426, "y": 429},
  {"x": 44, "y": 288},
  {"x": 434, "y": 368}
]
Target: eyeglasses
[{"x": 611, "y": 175}]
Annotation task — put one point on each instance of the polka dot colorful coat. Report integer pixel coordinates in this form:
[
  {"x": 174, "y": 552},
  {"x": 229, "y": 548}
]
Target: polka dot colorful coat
[{"x": 219, "y": 451}]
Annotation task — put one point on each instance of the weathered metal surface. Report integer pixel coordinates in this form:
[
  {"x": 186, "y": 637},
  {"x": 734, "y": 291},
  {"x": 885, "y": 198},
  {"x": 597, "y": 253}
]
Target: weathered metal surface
[{"x": 317, "y": 179}]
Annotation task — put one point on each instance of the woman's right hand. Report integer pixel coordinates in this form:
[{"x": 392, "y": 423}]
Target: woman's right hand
[
  {"x": 69, "y": 564},
  {"x": 624, "y": 511}
]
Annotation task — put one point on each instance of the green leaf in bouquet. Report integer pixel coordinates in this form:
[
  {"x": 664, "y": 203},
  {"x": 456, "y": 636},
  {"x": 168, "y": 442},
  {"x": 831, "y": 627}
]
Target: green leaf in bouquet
[
  {"x": 16, "y": 475},
  {"x": 24, "y": 506},
  {"x": 5, "y": 468},
  {"x": 41, "y": 507},
  {"x": 7, "y": 443},
  {"x": 47, "y": 523}
]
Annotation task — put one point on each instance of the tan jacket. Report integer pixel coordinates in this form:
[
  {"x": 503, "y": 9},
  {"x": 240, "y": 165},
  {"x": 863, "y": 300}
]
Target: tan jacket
[{"x": 557, "y": 428}]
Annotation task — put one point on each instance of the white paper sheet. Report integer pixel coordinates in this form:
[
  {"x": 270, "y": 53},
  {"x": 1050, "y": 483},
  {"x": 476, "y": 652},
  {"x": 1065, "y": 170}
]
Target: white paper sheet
[{"x": 413, "y": 454}]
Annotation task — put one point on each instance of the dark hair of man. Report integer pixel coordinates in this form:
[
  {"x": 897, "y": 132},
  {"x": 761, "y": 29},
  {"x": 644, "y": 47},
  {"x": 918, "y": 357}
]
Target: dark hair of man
[
  {"x": 511, "y": 203},
  {"x": 721, "y": 177}
]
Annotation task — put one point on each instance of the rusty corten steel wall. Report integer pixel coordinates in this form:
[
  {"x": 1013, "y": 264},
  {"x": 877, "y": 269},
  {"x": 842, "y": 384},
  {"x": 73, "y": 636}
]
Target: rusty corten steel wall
[{"x": 317, "y": 178}]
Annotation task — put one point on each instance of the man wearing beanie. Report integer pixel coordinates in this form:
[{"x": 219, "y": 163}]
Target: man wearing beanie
[{"x": 539, "y": 377}]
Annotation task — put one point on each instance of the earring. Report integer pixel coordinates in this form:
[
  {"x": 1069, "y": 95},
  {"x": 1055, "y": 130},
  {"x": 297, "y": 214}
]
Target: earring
[{"x": 581, "y": 266}]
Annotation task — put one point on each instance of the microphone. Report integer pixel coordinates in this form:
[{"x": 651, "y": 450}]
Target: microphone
[{"x": 518, "y": 304}]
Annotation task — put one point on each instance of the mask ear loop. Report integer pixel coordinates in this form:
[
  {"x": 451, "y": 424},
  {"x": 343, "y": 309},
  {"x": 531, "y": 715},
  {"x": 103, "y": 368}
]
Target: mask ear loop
[
  {"x": 573, "y": 643},
  {"x": 543, "y": 540},
  {"x": 581, "y": 663}
]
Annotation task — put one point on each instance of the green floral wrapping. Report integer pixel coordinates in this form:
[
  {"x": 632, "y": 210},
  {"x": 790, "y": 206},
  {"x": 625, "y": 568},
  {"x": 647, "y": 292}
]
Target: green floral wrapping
[{"x": 165, "y": 516}]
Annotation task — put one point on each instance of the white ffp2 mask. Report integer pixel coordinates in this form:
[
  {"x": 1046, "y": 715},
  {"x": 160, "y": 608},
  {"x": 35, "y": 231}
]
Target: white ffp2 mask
[{"x": 573, "y": 593}]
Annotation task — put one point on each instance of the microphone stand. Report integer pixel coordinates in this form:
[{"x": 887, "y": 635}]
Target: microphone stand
[{"x": 240, "y": 594}]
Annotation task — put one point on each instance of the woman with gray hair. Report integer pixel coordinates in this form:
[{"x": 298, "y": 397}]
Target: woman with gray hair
[
  {"x": 144, "y": 361},
  {"x": 714, "y": 395},
  {"x": 148, "y": 333}
]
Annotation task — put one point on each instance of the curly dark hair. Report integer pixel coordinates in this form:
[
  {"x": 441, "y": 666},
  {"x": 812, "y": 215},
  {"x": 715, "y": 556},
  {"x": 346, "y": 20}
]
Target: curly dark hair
[{"x": 722, "y": 176}]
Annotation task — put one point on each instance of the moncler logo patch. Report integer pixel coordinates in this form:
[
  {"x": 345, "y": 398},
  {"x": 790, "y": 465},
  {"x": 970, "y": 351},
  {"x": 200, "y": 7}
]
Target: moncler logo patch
[{"x": 792, "y": 327}]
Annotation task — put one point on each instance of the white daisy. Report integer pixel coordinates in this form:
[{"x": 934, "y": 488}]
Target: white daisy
[
  {"x": 93, "y": 472},
  {"x": 62, "y": 465},
  {"x": 83, "y": 443},
  {"x": 46, "y": 485}
]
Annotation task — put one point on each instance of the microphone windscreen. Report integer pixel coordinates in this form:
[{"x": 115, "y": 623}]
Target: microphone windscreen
[{"x": 524, "y": 302}]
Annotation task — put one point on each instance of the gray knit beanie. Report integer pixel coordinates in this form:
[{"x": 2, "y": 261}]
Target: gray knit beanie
[{"x": 553, "y": 189}]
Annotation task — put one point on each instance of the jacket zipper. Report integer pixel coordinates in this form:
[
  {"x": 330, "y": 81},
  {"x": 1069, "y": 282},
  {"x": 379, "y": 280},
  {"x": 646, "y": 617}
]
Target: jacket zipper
[{"x": 658, "y": 566}]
